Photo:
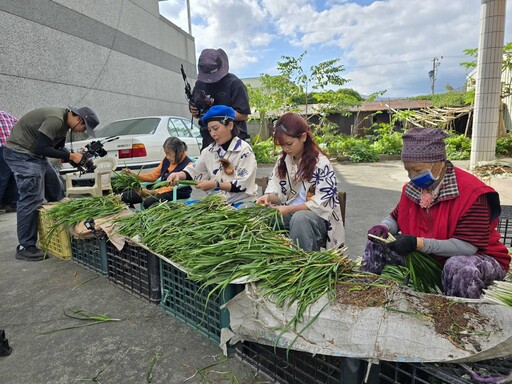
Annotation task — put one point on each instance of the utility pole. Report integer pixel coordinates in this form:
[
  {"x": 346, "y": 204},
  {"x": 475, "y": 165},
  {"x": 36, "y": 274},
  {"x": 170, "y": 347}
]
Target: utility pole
[
  {"x": 189, "y": 18},
  {"x": 433, "y": 73}
]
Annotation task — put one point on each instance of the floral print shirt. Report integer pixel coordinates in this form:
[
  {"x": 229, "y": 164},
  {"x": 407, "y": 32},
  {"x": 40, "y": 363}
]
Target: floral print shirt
[
  {"x": 243, "y": 162},
  {"x": 324, "y": 200}
]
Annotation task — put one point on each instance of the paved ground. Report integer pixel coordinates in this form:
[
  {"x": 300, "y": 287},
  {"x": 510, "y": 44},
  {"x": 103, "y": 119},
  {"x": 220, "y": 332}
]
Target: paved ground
[{"x": 34, "y": 297}]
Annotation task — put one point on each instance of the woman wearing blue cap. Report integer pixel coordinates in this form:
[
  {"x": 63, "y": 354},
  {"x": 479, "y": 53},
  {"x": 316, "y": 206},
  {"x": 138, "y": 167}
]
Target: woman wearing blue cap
[{"x": 227, "y": 165}]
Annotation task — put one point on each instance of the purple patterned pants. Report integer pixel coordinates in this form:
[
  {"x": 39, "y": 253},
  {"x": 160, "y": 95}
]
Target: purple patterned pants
[
  {"x": 467, "y": 276},
  {"x": 462, "y": 276}
]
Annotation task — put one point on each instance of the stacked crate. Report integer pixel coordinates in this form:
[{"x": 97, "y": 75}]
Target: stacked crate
[
  {"x": 198, "y": 306},
  {"x": 91, "y": 253},
  {"x": 53, "y": 239},
  {"x": 135, "y": 270}
]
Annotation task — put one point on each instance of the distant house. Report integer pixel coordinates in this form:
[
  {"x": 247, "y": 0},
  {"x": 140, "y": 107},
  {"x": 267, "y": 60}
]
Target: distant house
[
  {"x": 357, "y": 120},
  {"x": 376, "y": 112},
  {"x": 506, "y": 105}
]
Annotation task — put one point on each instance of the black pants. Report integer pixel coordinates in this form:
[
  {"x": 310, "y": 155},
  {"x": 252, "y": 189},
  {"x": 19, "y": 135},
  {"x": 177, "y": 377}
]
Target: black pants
[{"x": 132, "y": 197}]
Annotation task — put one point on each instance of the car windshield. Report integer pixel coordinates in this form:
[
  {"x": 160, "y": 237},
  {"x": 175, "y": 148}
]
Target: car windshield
[{"x": 129, "y": 127}]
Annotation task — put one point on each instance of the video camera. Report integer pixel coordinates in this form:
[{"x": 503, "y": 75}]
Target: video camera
[
  {"x": 92, "y": 150},
  {"x": 199, "y": 99}
]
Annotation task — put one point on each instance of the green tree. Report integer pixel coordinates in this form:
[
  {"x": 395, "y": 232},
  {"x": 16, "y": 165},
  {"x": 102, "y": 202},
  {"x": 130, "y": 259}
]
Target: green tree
[
  {"x": 295, "y": 86},
  {"x": 506, "y": 65},
  {"x": 272, "y": 96},
  {"x": 320, "y": 77}
]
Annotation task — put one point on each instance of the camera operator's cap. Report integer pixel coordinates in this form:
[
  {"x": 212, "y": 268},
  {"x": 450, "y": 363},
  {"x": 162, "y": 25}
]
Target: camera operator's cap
[
  {"x": 90, "y": 118},
  {"x": 220, "y": 113},
  {"x": 424, "y": 145},
  {"x": 213, "y": 65}
]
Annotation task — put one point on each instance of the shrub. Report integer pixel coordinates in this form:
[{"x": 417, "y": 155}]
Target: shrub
[
  {"x": 390, "y": 144},
  {"x": 504, "y": 146},
  {"x": 458, "y": 147},
  {"x": 356, "y": 149},
  {"x": 264, "y": 151}
]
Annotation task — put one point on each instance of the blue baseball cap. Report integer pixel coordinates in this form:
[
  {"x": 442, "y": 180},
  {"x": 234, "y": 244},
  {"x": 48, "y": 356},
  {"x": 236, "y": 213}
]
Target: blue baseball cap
[{"x": 221, "y": 113}]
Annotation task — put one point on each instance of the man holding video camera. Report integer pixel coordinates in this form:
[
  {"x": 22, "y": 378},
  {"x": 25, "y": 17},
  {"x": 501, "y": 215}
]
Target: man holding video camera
[
  {"x": 37, "y": 135},
  {"x": 216, "y": 86}
]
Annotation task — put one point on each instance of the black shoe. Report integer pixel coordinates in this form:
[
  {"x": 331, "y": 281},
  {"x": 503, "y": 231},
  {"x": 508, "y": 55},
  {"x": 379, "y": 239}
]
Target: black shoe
[
  {"x": 5, "y": 350},
  {"x": 9, "y": 209},
  {"x": 30, "y": 253}
]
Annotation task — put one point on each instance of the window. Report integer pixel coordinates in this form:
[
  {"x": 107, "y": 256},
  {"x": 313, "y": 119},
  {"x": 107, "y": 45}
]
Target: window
[
  {"x": 182, "y": 128},
  {"x": 129, "y": 127}
]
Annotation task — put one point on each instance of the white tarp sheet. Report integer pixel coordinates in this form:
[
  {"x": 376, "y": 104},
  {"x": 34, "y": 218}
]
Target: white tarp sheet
[{"x": 399, "y": 333}]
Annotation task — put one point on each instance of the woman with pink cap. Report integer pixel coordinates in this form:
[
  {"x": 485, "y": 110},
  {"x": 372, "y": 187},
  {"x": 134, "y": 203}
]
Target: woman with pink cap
[{"x": 446, "y": 212}]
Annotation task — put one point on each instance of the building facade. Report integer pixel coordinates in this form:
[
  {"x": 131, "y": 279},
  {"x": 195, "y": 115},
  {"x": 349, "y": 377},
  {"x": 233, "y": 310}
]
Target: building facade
[{"x": 119, "y": 57}]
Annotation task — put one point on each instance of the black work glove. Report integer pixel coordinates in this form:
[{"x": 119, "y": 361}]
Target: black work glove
[{"x": 404, "y": 244}]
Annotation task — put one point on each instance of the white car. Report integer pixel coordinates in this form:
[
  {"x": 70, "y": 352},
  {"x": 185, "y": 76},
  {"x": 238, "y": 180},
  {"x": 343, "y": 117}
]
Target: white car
[{"x": 140, "y": 140}]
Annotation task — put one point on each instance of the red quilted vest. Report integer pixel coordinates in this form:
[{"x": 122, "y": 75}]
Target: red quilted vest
[{"x": 440, "y": 220}]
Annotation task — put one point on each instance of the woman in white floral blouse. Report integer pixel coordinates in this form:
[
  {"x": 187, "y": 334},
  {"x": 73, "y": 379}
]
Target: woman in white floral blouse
[
  {"x": 226, "y": 166},
  {"x": 303, "y": 187}
]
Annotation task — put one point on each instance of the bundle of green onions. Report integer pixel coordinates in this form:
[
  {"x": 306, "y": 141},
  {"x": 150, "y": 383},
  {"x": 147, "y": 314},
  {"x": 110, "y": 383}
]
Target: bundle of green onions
[
  {"x": 499, "y": 292},
  {"x": 216, "y": 244},
  {"x": 123, "y": 181},
  {"x": 73, "y": 211},
  {"x": 421, "y": 272}
]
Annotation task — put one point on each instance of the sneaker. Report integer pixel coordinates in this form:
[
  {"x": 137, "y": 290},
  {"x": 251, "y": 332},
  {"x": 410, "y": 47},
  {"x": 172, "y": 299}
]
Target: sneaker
[{"x": 30, "y": 253}]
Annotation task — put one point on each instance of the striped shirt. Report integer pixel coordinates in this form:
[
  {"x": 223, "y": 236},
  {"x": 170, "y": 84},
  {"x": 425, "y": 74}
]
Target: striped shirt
[
  {"x": 7, "y": 121},
  {"x": 473, "y": 226}
]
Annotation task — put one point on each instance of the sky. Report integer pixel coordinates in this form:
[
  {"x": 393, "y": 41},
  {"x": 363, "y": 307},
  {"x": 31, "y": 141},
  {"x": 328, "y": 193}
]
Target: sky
[{"x": 383, "y": 45}]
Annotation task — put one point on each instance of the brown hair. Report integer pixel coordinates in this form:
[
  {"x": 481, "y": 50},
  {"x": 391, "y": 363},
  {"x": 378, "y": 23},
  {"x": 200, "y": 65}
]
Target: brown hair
[{"x": 294, "y": 125}]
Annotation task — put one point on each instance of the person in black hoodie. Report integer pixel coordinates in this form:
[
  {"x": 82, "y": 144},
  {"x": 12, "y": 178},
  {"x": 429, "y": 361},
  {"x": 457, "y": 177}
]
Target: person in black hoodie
[{"x": 216, "y": 86}]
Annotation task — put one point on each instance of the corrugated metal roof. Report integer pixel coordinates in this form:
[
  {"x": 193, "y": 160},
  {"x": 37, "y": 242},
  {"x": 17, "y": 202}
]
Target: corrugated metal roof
[
  {"x": 383, "y": 105},
  {"x": 369, "y": 106}
]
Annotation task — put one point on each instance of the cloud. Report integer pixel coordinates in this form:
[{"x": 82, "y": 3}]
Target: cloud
[{"x": 385, "y": 44}]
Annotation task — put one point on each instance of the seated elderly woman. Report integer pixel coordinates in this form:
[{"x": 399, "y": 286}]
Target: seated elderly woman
[
  {"x": 303, "y": 187},
  {"x": 175, "y": 160},
  {"x": 446, "y": 212},
  {"x": 226, "y": 166}
]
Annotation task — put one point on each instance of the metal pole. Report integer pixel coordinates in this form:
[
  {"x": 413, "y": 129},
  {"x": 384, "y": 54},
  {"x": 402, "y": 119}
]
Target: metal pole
[{"x": 189, "y": 17}]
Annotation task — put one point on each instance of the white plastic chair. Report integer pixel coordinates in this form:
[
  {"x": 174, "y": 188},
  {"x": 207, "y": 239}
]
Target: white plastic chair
[{"x": 102, "y": 178}]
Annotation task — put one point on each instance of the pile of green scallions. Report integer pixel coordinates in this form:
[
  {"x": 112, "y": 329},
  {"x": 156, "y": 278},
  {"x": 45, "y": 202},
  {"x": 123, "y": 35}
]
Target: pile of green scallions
[{"x": 216, "y": 244}]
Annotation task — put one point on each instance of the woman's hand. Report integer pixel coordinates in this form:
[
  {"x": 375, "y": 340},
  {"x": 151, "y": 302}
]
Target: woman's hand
[
  {"x": 147, "y": 192},
  {"x": 264, "y": 200},
  {"x": 174, "y": 178},
  {"x": 284, "y": 209},
  {"x": 206, "y": 185},
  {"x": 127, "y": 171}
]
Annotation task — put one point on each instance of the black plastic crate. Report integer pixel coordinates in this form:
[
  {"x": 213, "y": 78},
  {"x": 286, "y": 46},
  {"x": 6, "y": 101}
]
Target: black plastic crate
[
  {"x": 505, "y": 225},
  {"x": 136, "y": 270},
  {"x": 91, "y": 253},
  {"x": 296, "y": 367},
  {"x": 194, "y": 304},
  {"x": 443, "y": 373},
  {"x": 303, "y": 368}
]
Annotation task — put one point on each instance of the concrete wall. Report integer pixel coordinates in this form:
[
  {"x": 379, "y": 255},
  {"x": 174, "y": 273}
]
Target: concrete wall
[{"x": 119, "y": 57}]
